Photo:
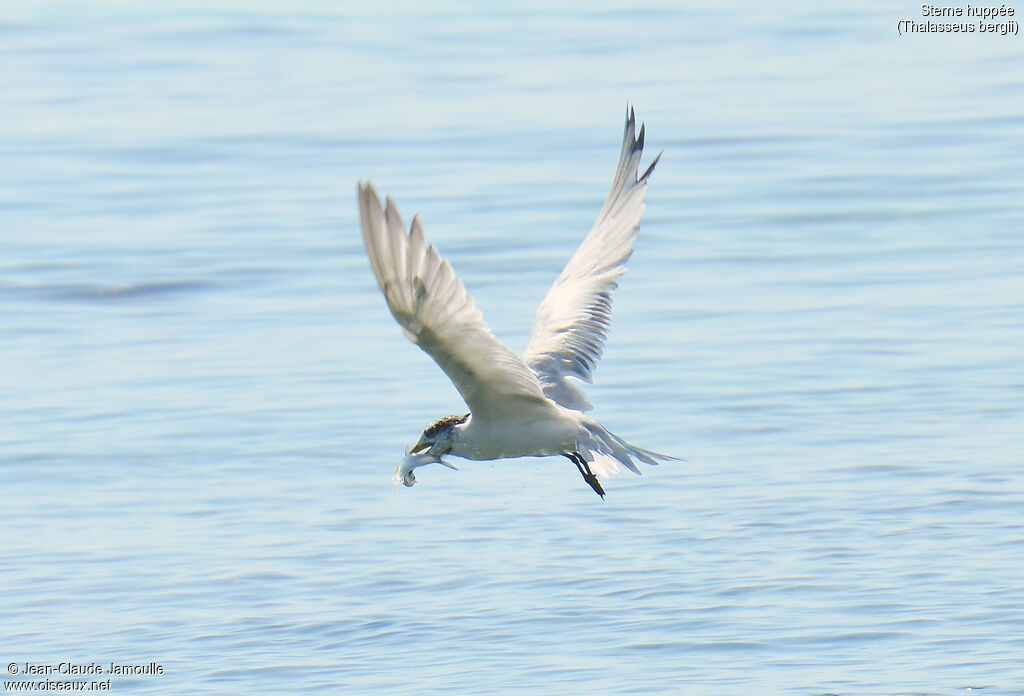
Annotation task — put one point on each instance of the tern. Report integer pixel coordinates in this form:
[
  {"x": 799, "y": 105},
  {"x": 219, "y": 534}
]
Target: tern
[{"x": 519, "y": 405}]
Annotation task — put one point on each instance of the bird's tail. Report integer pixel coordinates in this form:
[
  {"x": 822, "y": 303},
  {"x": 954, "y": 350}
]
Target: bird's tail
[{"x": 608, "y": 453}]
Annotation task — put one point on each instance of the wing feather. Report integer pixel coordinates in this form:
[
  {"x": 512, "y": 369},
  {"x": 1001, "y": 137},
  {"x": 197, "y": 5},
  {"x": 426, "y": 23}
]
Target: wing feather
[
  {"x": 573, "y": 320},
  {"x": 436, "y": 313}
]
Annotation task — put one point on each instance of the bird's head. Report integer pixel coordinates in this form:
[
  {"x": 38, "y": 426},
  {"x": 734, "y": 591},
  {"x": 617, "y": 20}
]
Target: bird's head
[
  {"x": 438, "y": 439},
  {"x": 440, "y": 436}
]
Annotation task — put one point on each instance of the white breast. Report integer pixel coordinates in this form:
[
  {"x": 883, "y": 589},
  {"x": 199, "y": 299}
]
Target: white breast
[{"x": 520, "y": 435}]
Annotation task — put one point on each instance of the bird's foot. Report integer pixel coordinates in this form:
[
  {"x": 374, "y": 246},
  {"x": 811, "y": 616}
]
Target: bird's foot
[
  {"x": 594, "y": 483},
  {"x": 584, "y": 469}
]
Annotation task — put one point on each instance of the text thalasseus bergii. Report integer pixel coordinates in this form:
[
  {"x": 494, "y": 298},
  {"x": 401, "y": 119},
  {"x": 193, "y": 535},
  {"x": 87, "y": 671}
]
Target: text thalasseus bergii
[{"x": 519, "y": 405}]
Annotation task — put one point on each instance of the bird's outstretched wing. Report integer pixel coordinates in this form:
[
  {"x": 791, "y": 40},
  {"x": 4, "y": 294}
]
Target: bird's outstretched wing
[
  {"x": 573, "y": 320},
  {"x": 437, "y": 314}
]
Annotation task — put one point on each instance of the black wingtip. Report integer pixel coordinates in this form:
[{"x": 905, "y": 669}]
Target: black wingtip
[
  {"x": 630, "y": 119},
  {"x": 650, "y": 167}
]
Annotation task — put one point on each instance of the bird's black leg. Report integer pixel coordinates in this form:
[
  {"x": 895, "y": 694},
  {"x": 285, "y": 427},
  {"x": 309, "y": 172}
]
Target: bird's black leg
[{"x": 585, "y": 472}]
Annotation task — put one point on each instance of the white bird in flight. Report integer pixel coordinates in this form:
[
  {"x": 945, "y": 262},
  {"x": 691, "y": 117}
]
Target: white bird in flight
[{"x": 520, "y": 406}]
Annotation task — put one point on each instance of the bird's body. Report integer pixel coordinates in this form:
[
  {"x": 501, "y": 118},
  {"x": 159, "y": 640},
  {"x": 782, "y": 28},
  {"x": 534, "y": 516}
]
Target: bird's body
[
  {"x": 519, "y": 405},
  {"x": 534, "y": 430}
]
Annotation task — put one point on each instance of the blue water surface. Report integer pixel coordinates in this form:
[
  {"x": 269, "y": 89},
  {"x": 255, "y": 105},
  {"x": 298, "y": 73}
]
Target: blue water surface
[{"x": 203, "y": 396}]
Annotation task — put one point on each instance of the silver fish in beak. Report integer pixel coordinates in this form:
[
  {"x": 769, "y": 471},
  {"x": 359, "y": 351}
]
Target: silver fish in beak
[{"x": 413, "y": 461}]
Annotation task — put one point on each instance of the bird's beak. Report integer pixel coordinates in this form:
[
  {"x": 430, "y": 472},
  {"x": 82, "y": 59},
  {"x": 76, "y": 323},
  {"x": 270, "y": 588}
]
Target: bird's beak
[{"x": 421, "y": 447}]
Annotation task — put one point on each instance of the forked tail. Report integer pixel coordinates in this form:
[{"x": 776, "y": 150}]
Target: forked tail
[{"x": 607, "y": 453}]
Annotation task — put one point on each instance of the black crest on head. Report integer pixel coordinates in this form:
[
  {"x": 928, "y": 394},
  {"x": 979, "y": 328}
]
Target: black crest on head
[{"x": 444, "y": 423}]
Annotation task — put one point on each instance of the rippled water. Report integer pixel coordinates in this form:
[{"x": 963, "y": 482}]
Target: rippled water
[{"x": 203, "y": 397}]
